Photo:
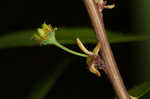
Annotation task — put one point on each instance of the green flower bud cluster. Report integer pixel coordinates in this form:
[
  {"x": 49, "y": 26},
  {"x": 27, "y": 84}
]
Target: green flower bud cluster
[{"x": 46, "y": 36}]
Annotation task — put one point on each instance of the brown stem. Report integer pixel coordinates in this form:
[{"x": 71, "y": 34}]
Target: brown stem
[{"x": 111, "y": 66}]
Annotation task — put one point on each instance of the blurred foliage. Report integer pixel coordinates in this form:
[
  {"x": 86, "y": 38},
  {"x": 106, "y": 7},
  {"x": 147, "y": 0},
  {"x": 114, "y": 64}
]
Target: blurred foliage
[
  {"x": 44, "y": 85},
  {"x": 140, "y": 90},
  {"x": 65, "y": 36}
]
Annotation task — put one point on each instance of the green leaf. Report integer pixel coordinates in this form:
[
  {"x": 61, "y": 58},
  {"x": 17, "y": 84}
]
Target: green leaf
[
  {"x": 65, "y": 36},
  {"x": 45, "y": 84},
  {"x": 140, "y": 90}
]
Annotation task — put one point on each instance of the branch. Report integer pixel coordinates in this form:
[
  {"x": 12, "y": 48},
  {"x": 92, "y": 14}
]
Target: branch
[{"x": 111, "y": 69}]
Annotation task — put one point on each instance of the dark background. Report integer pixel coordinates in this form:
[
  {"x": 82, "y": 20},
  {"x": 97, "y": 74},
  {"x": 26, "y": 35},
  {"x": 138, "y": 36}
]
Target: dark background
[
  {"x": 21, "y": 14},
  {"x": 21, "y": 67}
]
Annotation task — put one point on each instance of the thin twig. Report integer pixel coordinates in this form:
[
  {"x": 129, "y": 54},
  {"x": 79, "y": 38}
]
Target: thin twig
[{"x": 111, "y": 66}]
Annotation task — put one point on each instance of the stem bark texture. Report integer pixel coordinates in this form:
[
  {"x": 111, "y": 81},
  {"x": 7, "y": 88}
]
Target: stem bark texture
[{"x": 111, "y": 67}]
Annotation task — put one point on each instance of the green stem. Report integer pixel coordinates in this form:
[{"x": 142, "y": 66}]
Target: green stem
[{"x": 70, "y": 51}]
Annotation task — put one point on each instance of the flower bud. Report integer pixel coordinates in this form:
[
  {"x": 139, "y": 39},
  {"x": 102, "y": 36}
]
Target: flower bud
[{"x": 45, "y": 35}]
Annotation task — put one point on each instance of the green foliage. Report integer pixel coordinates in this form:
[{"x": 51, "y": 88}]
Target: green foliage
[
  {"x": 45, "y": 84},
  {"x": 140, "y": 90},
  {"x": 65, "y": 36}
]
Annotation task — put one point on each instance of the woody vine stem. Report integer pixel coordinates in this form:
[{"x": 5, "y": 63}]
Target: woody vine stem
[{"x": 95, "y": 8}]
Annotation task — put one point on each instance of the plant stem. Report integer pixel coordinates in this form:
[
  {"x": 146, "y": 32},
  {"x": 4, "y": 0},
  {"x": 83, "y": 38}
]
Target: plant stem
[
  {"x": 70, "y": 51},
  {"x": 111, "y": 67}
]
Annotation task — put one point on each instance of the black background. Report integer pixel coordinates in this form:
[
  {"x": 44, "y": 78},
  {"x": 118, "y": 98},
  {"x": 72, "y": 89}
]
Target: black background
[{"x": 21, "y": 14}]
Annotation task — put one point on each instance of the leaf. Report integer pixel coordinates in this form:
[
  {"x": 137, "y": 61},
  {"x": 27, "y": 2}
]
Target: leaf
[
  {"x": 140, "y": 90},
  {"x": 45, "y": 84},
  {"x": 65, "y": 36}
]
